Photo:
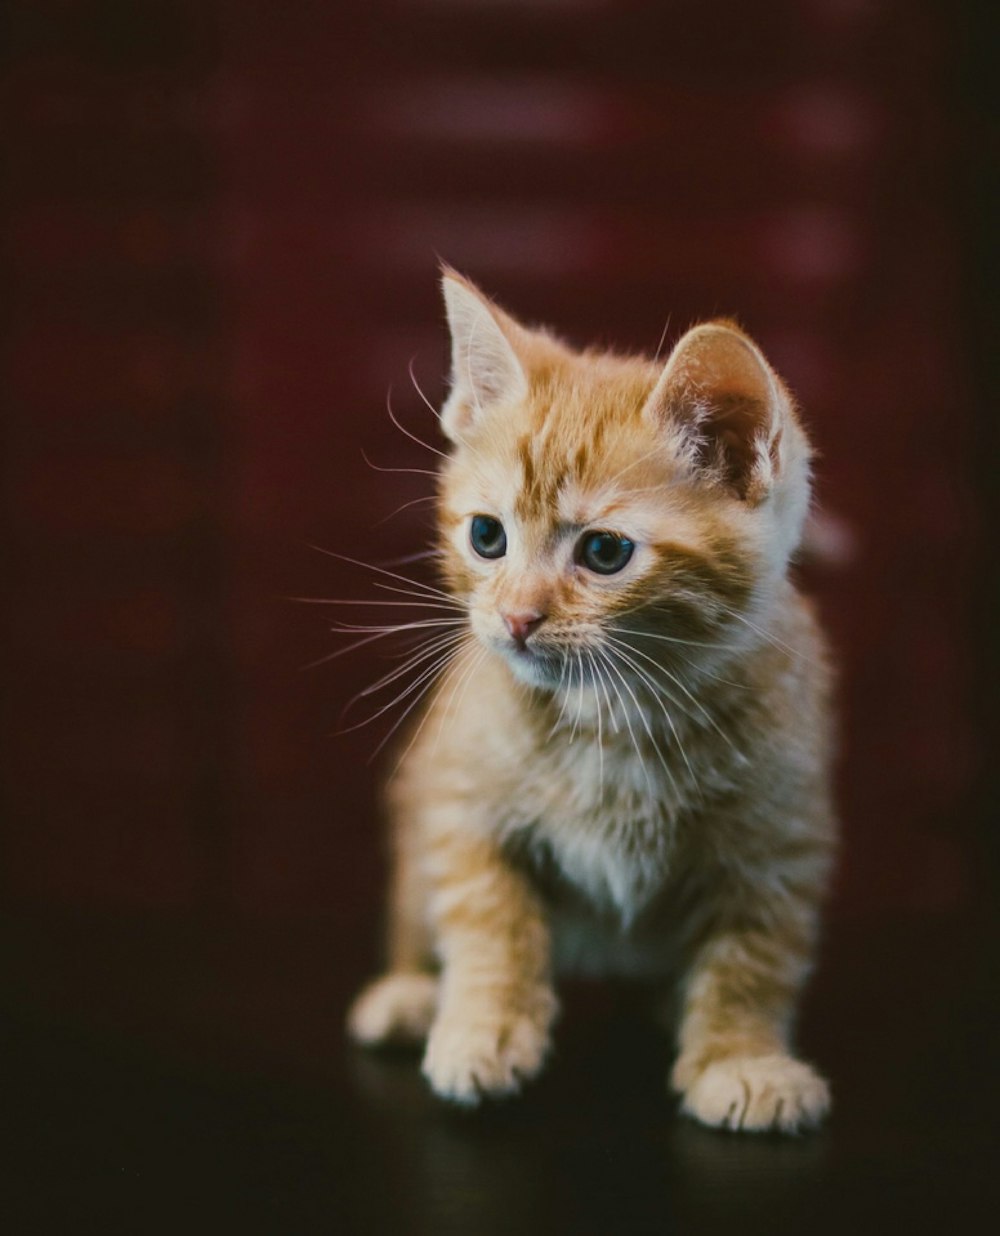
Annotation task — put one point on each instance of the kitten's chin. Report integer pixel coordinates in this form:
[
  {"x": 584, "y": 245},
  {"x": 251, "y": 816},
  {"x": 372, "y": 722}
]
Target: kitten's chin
[{"x": 534, "y": 669}]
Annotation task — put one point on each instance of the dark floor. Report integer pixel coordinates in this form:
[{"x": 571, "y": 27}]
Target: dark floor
[{"x": 198, "y": 1080}]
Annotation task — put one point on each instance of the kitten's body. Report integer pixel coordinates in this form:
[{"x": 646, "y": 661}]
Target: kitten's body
[{"x": 639, "y": 786}]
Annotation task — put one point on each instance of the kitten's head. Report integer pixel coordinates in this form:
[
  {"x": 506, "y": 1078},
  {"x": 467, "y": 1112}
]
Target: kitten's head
[{"x": 592, "y": 498}]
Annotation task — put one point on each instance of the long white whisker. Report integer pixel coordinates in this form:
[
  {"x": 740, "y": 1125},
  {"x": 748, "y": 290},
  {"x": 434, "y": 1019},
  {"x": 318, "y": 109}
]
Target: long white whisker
[
  {"x": 425, "y": 652},
  {"x": 414, "y": 471},
  {"x": 678, "y": 683},
  {"x": 600, "y": 729},
  {"x": 416, "y": 386},
  {"x": 655, "y": 690},
  {"x": 340, "y": 652},
  {"x": 454, "y": 703},
  {"x": 375, "y": 601},
  {"x": 579, "y": 703},
  {"x": 446, "y": 709},
  {"x": 454, "y": 661},
  {"x": 771, "y": 639},
  {"x": 433, "y": 639},
  {"x": 429, "y": 672},
  {"x": 405, "y": 506},
  {"x": 577, "y": 672},
  {"x": 603, "y": 654},
  {"x": 611, "y": 712},
  {"x": 427, "y": 624},
  {"x": 663, "y": 336},
  {"x": 403, "y": 579},
  {"x": 667, "y": 639},
  {"x": 432, "y": 679},
  {"x": 402, "y": 428},
  {"x": 648, "y": 728},
  {"x": 558, "y": 691},
  {"x": 420, "y": 556},
  {"x": 408, "y": 592}
]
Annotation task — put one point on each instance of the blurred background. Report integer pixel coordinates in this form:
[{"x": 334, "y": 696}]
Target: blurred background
[{"x": 221, "y": 227}]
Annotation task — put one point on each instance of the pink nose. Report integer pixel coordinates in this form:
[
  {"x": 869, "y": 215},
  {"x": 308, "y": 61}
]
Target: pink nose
[{"x": 522, "y": 625}]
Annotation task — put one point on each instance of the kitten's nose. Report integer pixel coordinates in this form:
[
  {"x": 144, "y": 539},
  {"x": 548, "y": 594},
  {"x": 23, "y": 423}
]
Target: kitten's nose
[{"x": 522, "y": 625}]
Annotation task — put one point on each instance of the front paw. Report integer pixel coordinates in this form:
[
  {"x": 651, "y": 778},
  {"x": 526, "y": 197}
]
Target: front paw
[
  {"x": 482, "y": 1052},
  {"x": 757, "y": 1093}
]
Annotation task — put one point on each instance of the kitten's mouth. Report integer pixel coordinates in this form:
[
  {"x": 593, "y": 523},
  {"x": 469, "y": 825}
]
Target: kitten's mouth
[
  {"x": 540, "y": 667},
  {"x": 528, "y": 655}
]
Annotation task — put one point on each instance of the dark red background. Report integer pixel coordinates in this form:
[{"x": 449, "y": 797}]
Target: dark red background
[{"x": 222, "y": 223}]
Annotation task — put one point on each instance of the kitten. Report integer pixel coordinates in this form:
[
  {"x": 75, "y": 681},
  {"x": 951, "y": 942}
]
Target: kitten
[{"x": 625, "y": 767}]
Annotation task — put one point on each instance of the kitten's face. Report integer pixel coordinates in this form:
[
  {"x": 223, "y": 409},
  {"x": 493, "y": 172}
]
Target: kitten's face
[
  {"x": 577, "y": 527},
  {"x": 569, "y": 528}
]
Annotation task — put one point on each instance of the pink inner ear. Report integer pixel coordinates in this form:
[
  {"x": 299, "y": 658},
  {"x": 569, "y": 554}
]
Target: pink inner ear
[
  {"x": 729, "y": 437},
  {"x": 717, "y": 387}
]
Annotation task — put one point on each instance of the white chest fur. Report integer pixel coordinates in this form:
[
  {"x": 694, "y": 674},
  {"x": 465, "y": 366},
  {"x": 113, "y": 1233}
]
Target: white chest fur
[{"x": 603, "y": 817}]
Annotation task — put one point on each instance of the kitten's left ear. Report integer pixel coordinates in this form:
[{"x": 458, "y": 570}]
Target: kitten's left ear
[
  {"x": 726, "y": 406},
  {"x": 485, "y": 369}
]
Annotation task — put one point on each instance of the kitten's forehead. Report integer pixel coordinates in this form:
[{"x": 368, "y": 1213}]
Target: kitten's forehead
[
  {"x": 581, "y": 431},
  {"x": 577, "y": 452},
  {"x": 546, "y": 481}
]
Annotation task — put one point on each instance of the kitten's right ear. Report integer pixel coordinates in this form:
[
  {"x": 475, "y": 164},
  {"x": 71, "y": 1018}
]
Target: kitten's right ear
[{"x": 485, "y": 369}]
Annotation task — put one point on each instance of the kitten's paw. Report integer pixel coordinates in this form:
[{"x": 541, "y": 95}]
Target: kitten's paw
[
  {"x": 397, "y": 1008},
  {"x": 474, "y": 1055},
  {"x": 758, "y": 1093}
]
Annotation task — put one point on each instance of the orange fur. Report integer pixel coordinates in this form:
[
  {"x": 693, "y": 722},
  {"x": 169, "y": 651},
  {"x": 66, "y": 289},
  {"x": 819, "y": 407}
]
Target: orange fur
[{"x": 641, "y": 786}]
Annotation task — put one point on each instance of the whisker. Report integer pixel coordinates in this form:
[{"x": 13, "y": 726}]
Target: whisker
[
  {"x": 397, "y": 627},
  {"x": 667, "y": 639},
  {"x": 600, "y": 729},
  {"x": 406, "y": 505},
  {"x": 566, "y": 665},
  {"x": 701, "y": 669},
  {"x": 425, "y": 653},
  {"x": 340, "y": 652},
  {"x": 408, "y": 592},
  {"x": 416, "y": 386},
  {"x": 422, "y": 677},
  {"x": 579, "y": 703},
  {"x": 464, "y": 677},
  {"x": 678, "y": 683},
  {"x": 454, "y": 664},
  {"x": 401, "y": 604},
  {"x": 625, "y": 713},
  {"x": 421, "y": 556},
  {"x": 654, "y": 689},
  {"x": 771, "y": 639},
  {"x": 663, "y": 336},
  {"x": 402, "y": 428},
  {"x": 414, "y": 702},
  {"x": 368, "y": 566},
  {"x": 611, "y": 712},
  {"x": 379, "y": 633},
  {"x": 648, "y": 728},
  {"x": 447, "y": 706},
  {"x": 379, "y": 467}
]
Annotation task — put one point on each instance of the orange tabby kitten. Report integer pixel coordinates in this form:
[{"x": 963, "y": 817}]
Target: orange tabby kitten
[{"x": 625, "y": 767}]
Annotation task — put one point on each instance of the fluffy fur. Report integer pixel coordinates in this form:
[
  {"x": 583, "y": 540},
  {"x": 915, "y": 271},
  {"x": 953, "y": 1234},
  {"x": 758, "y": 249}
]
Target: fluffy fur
[{"x": 639, "y": 784}]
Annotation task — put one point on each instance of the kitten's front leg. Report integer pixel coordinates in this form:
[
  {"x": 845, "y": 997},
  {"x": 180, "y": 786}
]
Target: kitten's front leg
[
  {"x": 497, "y": 1005},
  {"x": 735, "y": 1069}
]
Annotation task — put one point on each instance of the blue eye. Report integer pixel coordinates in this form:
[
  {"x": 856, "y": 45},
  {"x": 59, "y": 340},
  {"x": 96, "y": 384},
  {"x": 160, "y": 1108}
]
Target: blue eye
[
  {"x": 488, "y": 537},
  {"x": 605, "y": 553}
]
